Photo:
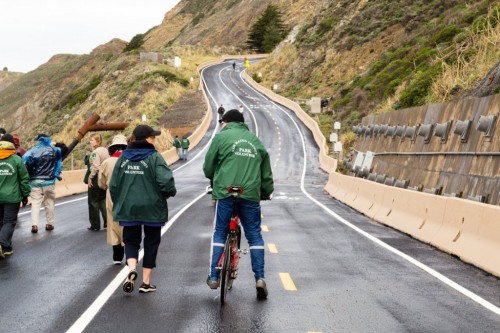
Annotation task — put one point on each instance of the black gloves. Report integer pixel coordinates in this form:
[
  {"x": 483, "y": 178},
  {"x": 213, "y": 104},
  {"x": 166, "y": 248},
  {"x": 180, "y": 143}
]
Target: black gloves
[{"x": 24, "y": 201}]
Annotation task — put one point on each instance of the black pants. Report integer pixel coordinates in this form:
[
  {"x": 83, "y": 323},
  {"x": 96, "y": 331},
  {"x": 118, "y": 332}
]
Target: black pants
[
  {"x": 97, "y": 203},
  {"x": 8, "y": 220},
  {"x": 132, "y": 237}
]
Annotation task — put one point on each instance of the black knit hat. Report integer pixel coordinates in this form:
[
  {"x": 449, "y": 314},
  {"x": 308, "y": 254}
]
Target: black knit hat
[
  {"x": 232, "y": 115},
  {"x": 8, "y": 137}
]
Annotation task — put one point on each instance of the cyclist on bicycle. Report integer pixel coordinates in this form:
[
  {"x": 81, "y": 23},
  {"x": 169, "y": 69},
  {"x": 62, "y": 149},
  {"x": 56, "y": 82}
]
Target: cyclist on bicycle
[{"x": 236, "y": 157}]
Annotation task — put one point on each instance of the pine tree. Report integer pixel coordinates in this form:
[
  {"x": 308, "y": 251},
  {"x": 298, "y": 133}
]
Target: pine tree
[{"x": 268, "y": 31}]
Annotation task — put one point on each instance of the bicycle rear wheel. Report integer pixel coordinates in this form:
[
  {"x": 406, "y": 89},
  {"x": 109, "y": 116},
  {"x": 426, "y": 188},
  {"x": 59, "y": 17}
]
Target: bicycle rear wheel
[{"x": 225, "y": 273}]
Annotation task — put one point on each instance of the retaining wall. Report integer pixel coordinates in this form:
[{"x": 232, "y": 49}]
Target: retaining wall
[{"x": 467, "y": 229}]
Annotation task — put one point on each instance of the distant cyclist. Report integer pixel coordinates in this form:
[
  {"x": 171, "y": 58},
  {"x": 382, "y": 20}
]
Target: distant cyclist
[{"x": 237, "y": 157}]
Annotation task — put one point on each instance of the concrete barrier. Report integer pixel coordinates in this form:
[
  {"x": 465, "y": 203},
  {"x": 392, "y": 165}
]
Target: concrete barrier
[
  {"x": 472, "y": 232},
  {"x": 71, "y": 184},
  {"x": 417, "y": 214}
]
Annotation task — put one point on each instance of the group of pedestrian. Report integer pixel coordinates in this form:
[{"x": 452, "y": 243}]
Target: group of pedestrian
[
  {"x": 24, "y": 174},
  {"x": 129, "y": 184},
  {"x": 182, "y": 147}
]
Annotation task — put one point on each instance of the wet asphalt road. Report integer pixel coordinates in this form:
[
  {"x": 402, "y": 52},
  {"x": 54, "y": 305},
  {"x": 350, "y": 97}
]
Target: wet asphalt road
[{"x": 344, "y": 271}]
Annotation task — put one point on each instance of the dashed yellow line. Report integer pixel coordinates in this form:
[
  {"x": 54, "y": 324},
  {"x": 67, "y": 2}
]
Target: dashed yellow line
[
  {"x": 287, "y": 281},
  {"x": 264, "y": 228},
  {"x": 272, "y": 248}
]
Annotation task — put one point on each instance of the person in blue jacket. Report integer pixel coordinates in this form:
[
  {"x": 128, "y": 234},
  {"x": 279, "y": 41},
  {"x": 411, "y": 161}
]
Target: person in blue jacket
[{"x": 44, "y": 167}]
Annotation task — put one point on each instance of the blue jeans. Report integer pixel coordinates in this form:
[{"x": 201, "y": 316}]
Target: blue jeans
[
  {"x": 249, "y": 213},
  {"x": 8, "y": 220},
  {"x": 184, "y": 153}
]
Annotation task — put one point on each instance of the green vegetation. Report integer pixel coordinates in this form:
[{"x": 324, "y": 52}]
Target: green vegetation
[
  {"x": 135, "y": 43},
  {"x": 169, "y": 77},
  {"x": 268, "y": 31},
  {"x": 79, "y": 96}
]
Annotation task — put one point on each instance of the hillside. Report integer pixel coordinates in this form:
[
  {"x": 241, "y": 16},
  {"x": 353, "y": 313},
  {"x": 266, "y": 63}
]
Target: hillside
[{"x": 363, "y": 56}]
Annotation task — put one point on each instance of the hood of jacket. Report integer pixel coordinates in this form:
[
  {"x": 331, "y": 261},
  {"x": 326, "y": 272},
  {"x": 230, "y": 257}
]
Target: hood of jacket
[
  {"x": 6, "y": 149},
  {"x": 44, "y": 141},
  {"x": 138, "y": 150}
]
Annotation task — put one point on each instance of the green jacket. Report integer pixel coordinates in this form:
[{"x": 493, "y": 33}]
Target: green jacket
[
  {"x": 236, "y": 157},
  {"x": 185, "y": 143},
  {"x": 140, "y": 185},
  {"x": 14, "y": 177},
  {"x": 177, "y": 143}
]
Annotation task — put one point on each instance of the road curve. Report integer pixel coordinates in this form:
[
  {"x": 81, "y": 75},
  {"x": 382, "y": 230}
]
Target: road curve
[{"x": 328, "y": 268}]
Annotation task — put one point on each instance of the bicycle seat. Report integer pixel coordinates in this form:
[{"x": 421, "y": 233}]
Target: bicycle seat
[{"x": 235, "y": 190}]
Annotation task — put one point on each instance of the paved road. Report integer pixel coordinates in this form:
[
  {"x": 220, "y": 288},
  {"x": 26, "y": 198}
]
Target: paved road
[{"x": 329, "y": 269}]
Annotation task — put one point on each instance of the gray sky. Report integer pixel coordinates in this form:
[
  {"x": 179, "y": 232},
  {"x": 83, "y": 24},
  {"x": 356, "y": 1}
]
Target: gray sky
[{"x": 32, "y": 31}]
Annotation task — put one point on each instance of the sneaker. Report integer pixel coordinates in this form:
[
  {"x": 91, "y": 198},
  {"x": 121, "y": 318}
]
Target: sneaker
[
  {"x": 2, "y": 255},
  {"x": 147, "y": 288},
  {"x": 34, "y": 229},
  {"x": 116, "y": 262},
  {"x": 128, "y": 286},
  {"x": 49, "y": 227},
  {"x": 260, "y": 285},
  {"x": 213, "y": 284},
  {"x": 92, "y": 229},
  {"x": 8, "y": 252}
]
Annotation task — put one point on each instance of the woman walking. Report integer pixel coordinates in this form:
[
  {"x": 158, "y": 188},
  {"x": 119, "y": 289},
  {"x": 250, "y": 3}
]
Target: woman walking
[
  {"x": 140, "y": 185},
  {"x": 114, "y": 231},
  {"x": 96, "y": 196}
]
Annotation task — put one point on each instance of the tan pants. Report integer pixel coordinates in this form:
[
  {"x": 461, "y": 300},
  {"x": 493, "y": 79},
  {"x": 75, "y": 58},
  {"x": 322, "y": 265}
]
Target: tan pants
[
  {"x": 114, "y": 233},
  {"x": 47, "y": 195}
]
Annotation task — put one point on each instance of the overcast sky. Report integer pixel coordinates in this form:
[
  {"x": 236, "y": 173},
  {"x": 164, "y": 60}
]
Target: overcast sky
[{"x": 32, "y": 31}]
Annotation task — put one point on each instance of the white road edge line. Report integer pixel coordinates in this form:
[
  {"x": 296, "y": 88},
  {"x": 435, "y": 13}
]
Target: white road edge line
[
  {"x": 82, "y": 322},
  {"x": 464, "y": 291}
]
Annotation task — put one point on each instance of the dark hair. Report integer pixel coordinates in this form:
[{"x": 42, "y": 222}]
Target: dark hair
[
  {"x": 113, "y": 149},
  {"x": 63, "y": 147}
]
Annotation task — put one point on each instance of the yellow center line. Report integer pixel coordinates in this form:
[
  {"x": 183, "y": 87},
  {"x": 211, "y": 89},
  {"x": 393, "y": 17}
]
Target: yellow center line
[
  {"x": 287, "y": 281},
  {"x": 264, "y": 228},
  {"x": 272, "y": 248}
]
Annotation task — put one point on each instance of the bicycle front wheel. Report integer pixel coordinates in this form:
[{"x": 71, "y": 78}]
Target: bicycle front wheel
[{"x": 226, "y": 271}]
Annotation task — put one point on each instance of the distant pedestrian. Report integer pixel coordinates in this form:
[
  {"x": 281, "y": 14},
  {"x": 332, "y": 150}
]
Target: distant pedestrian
[
  {"x": 96, "y": 196},
  {"x": 241, "y": 109},
  {"x": 185, "y": 148},
  {"x": 140, "y": 185},
  {"x": 2, "y": 132},
  {"x": 17, "y": 142},
  {"x": 247, "y": 63},
  {"x": 44, "y": 166},
  {"x": 221, "y": 111},
  {"x": 177, "y": 144},
  {"x": 14, "y": 189},
  {"x": 114, "y": 231},
  {"x": 234, "y": 65}
]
